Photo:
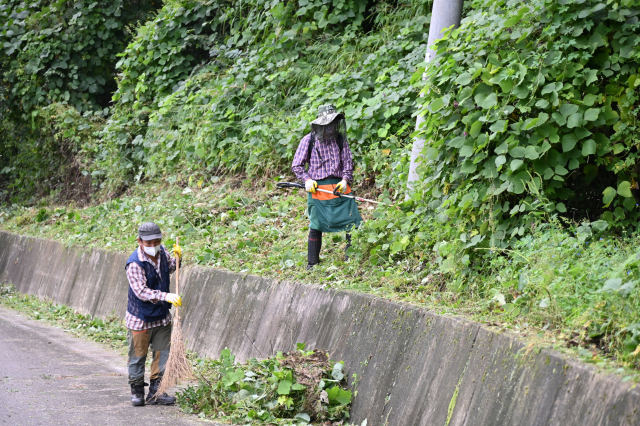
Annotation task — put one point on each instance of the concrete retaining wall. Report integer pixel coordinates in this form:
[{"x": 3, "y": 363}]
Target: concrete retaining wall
[{"x": 414, "y": 367}]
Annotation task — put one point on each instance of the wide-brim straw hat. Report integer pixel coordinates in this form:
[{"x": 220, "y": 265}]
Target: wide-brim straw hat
[{"x": 326, "y": 114}]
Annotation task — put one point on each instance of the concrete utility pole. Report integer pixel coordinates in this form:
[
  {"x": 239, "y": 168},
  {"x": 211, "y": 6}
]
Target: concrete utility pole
[{"x": 444, "y": 14}]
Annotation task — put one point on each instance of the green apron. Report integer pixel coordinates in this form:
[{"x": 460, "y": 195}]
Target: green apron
[{"x": 335, "y": 215}]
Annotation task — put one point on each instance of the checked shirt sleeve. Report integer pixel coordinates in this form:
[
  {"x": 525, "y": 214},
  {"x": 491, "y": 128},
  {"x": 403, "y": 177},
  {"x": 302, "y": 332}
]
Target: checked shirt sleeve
[
  {"x": 301, "y": 159},
  {"x": 138, "y": 283},
  {"x": 347, "y": 163}
]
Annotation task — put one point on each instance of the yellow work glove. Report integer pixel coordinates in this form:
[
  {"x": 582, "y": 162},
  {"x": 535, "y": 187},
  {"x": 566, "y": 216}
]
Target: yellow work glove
[
  {"x": 341, "y": 186},
  {"x": 174, "y": 299},
  {"x": 177, "y": 251},
  {"x": 310, "y": 185}
]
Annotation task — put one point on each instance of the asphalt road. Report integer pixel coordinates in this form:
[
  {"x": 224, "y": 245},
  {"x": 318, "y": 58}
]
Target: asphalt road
[{"x": 48, "y": 377}]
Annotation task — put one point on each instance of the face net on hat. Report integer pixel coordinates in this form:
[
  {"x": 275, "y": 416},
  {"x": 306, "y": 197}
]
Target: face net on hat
[
  {"x": 331, "y": 131},
  {"x": 149, "y": 231}
]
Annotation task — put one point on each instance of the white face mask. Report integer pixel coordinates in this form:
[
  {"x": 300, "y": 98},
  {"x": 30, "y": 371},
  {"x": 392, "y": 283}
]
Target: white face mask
[{"x": 151, "y": 251}]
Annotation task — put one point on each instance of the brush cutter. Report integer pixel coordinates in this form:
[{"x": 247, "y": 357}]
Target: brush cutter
[{"x": 283, "y": 185}]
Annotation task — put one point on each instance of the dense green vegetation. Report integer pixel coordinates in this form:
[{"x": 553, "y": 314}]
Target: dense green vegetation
[
  {"x": 565, "y": 285},
  {"x": 298, "y": 387},
  {"x": 526, "y": 213}
]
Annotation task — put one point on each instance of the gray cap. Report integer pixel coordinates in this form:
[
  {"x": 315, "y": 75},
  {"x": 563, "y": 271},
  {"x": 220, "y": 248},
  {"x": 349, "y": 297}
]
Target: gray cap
[{"x": 149, "y": 231}]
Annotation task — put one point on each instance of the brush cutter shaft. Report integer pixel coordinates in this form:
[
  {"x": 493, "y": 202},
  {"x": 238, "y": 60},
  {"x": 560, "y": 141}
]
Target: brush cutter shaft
[
  {"x": 348, "y": 196},
  {"x": 283, "y": 185}
]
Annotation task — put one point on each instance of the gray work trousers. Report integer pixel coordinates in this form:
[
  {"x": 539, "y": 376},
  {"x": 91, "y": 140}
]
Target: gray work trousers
[{"x": 159, "y": 339}]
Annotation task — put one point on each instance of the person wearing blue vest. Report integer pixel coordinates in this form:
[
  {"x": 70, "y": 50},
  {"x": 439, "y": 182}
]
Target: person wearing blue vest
[{"x": 148, "y": 319}]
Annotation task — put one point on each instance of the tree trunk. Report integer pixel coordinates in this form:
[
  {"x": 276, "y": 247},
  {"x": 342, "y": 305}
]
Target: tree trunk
[{"x": 444, "y": 14}]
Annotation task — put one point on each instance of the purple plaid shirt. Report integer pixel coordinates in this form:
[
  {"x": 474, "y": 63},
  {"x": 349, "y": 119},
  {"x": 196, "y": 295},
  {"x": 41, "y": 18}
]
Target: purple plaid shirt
[{"x": 327, "y": 163}]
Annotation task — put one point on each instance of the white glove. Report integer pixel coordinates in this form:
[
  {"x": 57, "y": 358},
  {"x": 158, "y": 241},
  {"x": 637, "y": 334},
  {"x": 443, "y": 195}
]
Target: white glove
[
  {"x": 174, "y": 299},
  {"x": 341, "y": 186},
  {"x": 310, "y": 185}
]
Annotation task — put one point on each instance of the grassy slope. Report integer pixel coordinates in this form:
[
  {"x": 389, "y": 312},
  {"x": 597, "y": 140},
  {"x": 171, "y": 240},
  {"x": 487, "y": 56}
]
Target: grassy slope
[{"x": 548, "y": 289}]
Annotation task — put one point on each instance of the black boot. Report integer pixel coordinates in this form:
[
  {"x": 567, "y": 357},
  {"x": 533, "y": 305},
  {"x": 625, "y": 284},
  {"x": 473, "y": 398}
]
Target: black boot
[
  {"x": 313, "y": 251},
  {"x": 137, "y": 395},
  {"x": 154, "y": 398},
  {"x": 346, "y": 256}
]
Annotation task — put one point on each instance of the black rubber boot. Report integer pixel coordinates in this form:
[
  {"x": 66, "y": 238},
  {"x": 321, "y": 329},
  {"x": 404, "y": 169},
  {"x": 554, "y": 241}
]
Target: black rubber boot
[
  {"x": 137, "y": 395},
  {"x": 154, "y": 398},
  {"x": 313, "y": 251},
  {"x": 346, "y": 256}
]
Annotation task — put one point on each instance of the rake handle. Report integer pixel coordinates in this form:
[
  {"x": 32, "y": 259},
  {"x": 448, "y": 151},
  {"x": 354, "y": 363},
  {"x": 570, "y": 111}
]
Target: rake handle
[{"x": 177, "y": 279}]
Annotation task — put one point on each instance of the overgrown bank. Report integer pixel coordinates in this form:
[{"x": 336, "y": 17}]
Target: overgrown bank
[
  {"x": 527, "y": 213},
  {"x": 564, "y": 286}
]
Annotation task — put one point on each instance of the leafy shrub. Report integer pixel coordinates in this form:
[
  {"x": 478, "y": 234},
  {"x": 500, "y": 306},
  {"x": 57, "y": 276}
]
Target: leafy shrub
[
  {"x": 56, "y": 53},
  {"x": 302, "y": 385},
  {"x": 532, "y": 111},
  {"x": 238, "y": 91}
]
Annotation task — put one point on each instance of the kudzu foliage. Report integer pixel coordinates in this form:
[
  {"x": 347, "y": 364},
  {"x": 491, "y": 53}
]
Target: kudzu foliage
[
  {"x": 233, "y": 85},
  {"x": 55, "y": 55},
  {"x": 532, "y": 110}
]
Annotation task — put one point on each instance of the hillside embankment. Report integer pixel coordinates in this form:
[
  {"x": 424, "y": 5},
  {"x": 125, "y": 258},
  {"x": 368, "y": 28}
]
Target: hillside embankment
[{"x": 409, "y": 366}]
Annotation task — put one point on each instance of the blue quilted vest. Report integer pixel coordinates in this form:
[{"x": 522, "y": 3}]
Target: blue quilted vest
[{"x": 147, "y": 311}]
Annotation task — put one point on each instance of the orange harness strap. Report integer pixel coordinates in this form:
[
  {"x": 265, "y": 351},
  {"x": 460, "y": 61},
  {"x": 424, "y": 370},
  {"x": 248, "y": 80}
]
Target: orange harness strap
[{"x": 323, "y": 196}]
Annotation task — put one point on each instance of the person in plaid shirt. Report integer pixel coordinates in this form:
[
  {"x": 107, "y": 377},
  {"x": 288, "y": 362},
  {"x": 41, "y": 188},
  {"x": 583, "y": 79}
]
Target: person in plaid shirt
[
  {"x": 330, "y": 166},
  {"x": 148, "y": 319}
]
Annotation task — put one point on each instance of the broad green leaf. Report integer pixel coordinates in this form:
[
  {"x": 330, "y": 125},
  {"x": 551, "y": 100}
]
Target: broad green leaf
[
  {"x": 568, "y": 109},
  {"x": 608, "y": 195},
  {"x": 457, "y": 142},
  {"x": 561, "y": 170},
  {"x": 516, "y": 164},
  {"x": 500, "y": 160},
  {"x": 589, "y": 100},
  {"x": 531, "y": 153},
  {"x": 590, "y": 76},
  {"x": 600, "y": 225},
  {"x": 475, "y": 129},
  {"x": 490, "y": 101},
  {"x": 624, "y": 189},
  {"x": 569, "y": 142},
  {"x": 530, "y": 123},
  {"x": 561, "y": 208},
  {"x": 284, "y": 387},
  {"x": 432, "y": 153},
  {"x": 588, "y": 147},
  {"x": 436, "y": 105},
  {"x": 518, "y": 152},
  {"x": 591, "y": 114},
  {"x": 464, "y": 79},
  {"x": 481, "y": 92},
  {"x": 629, "y": 203},
  {"x": 503, "y": 148},
  {"x": 499, "y": 126},
  {"x": 574, "y": 120}
]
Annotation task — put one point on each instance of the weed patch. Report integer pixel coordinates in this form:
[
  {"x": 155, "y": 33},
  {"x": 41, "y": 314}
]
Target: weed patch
[
  {"x": 567, "y": 285},
  {"x": 298, "y": 387}
]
